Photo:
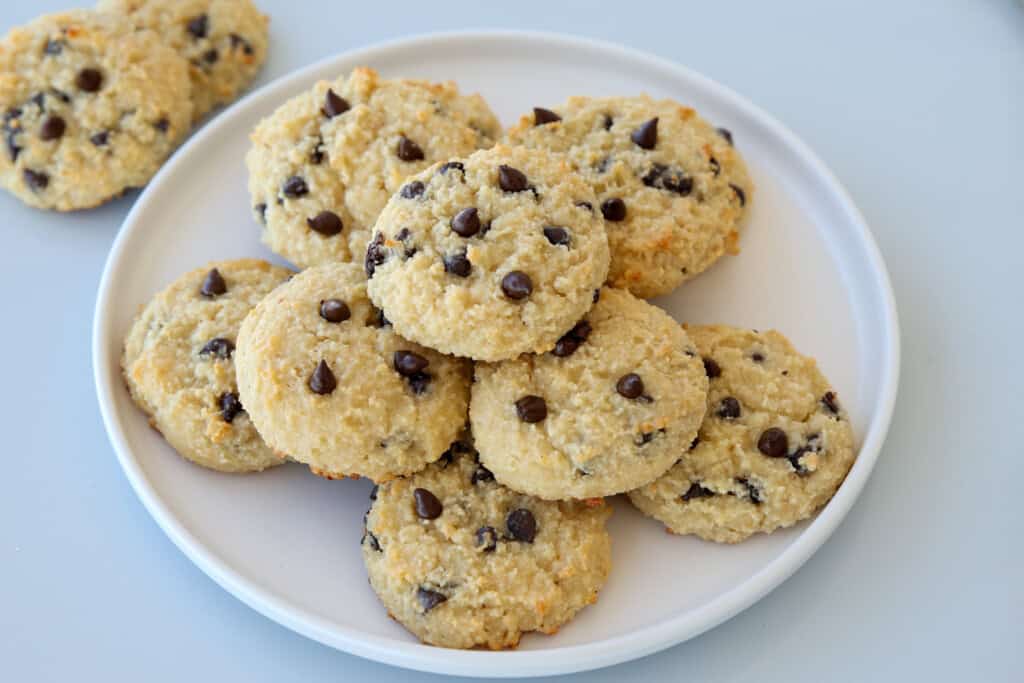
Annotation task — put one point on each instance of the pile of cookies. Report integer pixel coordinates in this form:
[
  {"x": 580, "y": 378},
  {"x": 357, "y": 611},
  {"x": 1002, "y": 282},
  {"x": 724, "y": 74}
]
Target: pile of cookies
[
  {"x": 94, "y": 101},
  {"x": 469, "y": 330}
]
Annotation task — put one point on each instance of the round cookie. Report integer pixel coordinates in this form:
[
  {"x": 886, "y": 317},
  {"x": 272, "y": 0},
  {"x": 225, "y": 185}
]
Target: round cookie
[
  {"x": 609, "y": 409},
  {"x": 178, "y": 363},
  {"x": 328, "y": 382},
  {"x": 224, "y": 41},
  {"x": 462, "y": 561},
  {"x": 324, "y": 164},
  {"x": 90, "y": 108},
  {"x": 774, "y": 447},
  {"x": 489, "y": 256},
  {"x": 672, "y": 189}
]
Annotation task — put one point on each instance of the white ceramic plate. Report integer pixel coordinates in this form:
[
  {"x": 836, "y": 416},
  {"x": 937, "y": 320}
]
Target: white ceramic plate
[{"x": 287, "y": 543}]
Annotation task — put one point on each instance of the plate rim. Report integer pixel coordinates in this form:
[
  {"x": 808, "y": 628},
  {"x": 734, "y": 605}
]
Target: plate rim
[{"x": 574, "y": 658}]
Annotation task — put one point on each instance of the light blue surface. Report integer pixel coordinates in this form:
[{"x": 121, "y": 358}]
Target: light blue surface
[{"x": 919, "y": 109}]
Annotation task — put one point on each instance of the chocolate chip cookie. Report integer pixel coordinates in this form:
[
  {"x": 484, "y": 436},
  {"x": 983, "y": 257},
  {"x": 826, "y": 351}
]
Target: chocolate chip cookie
[
  {"x": 610, "y": 408},
  {"x": 671, "y": 188},
  {"x": 329, "y": 383},
  {"x": 462, "y": 561},
  {"x": 224, "y": 41},
  {"x": 323, "y": 166},
  {"x": 178, "y": 363},
  {"x": 89, "y": 108},
  {"x": 489, "y": 256},
  {"x": 774, "y": 446}
]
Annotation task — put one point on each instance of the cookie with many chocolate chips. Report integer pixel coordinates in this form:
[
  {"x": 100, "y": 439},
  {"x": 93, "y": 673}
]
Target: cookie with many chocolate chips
[
  {"x": 672, "y": 189},
  {"x": 774, "y": 446},
  {"x": 488, "y": 256},
  {"x": 89, "y": 108},
  {"x": 179, "y": 365},
  {"x": 224, "y": 41},
  {"x": 609, "y": 409},
  {"x": 461, "y": 561},
  {"x": 328, "y": 384},
  {"x": 324, "y": 164}
]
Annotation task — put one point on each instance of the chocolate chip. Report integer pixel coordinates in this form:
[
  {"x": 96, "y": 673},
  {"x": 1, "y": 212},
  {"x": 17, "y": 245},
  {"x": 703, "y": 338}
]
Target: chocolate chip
[
  {"x": 531, "y": 409},
  {"x": 295, "y": 187},
  {"x": 607, "y": 122},
  {"x": 373, "y": 491},
  {"x": 597, "y": 295},
  {"x": 466, "y": 222},
  {"x": 716, "y": 167},
  {"x": 375, "y": 254},
  {"x": 37, "y": 180},
  {"x": 218, "y": 346},
  {"x": 54, "y": 47},
  {"x": 740, "y": 194},
  {"x": 407, "y": 150},
  {"x": 198, "y": 26},
  {"x": 211, "y": 56},
  {"x": 711, "y": 368},
  {"x": 773, "y": 442},
  {"x": 412, "y": 190},
  {"x": 613, "y": 209},
  {"x": 449, "y": 165},
  {"x": 757, "y": 357},
  {"x": 697, "y": 491},
  {"x": 646, "y": 136},
  {"x": 585, "y": 205},
  {"x": 542, "y": 116},
  {"x": 517, "y": 285},
  {"x": 571, "y": 340},
  {"x": 728, "y": 408},
  {"x": 487, "y": 539},
  {"x": 419, "y": 382},
  {"x": 557, "y": 236},
  {"x": 429, "y": 599},
  {"x": 458, "y": 264},
  {"x": 238, "y": 41},
  {"x": 830, "y": 401},
  {"x": 334, "y": 104},
  {"x": 726, "y": 134},
  {"x": 630, "y": 386},
  {"x": 512, "y": 179},
  {"x": 52, "y": 128},
  {"x": 427, "y": 504},
  {"x": 230, "y": 406},
  {"x": 522, "y": 525},
  {"x": 213, "y": 284},
  {"x": 322, "y": 380},
  {"x": 162, "y": 124},
  {"x": 13, "y": 149},
  {"x": 102, "y": 138},
  {"x": 327, "y": 223},
  {"x": 89, "y": 80},
  {"x": 752, "y": 491},
  {"x": 480, "y": 474},
  {"x": 334, "y": 310},
  {"x": 407, "y": 363},
  {"x": 669, "y": 179},
  {"x": 316, "y": 157},
  {"x": 371, "y": 540}
]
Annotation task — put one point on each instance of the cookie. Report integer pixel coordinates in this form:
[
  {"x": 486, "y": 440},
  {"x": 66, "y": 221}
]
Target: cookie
[
  {"x": 90, "y": 108},
  {"x": 179, "y": 357},
  {"x": 462, "y": 561},
  {"x": 224, "y": 41},
  {"x": 671, "y": 188},
  {"x": 774, "y": 447},
  {"x": 324, "y": 164},
  {"x": 609, "y": 409},
  {"x": 489, "y": 256},
  {"x": 328, "y": 382}
]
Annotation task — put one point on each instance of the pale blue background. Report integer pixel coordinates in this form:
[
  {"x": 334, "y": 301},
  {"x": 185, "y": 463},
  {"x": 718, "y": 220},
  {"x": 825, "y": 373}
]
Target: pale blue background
[{"x": 919, "y": 109}]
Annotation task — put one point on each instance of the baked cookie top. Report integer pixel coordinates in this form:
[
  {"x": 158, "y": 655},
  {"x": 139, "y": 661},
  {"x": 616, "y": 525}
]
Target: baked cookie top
[
  {"x": 672, "y": 189},
  {"x": 327, "y": 381},
  {"x": 774, "y": 447},
  {"x": 178, "y": 363},
  {"x": 489, "y": 256},
  {"x": 224, "y": 41},
  {"x": 89, "y": 108},
  {"x": 609, "y": 409},
  {"x": 462, "y": 561},
  {"x": 324, "y": 164}
]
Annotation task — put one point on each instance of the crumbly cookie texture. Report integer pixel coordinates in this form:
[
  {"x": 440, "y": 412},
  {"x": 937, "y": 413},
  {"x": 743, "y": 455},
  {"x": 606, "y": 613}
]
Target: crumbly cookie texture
[
  {"x": 327, "y": 381},
  {"x": 462, "y": 561},
  {"x": 774, "y": 447},
  {"x": 324, "y": 164},
  {"x": 90, "y": 108},
  {"x": 609, "y": 409},
  {"x": 224, "y": 41},
  {"x": 489, "y": 256},
  {"x": 178, "y": 363},
  {"x": 672, "y": 188}
]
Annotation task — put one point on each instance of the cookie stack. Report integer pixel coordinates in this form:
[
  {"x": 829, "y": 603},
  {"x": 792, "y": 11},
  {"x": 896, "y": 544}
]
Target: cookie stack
[
  {"x": 93, "y": 102},
  {"x": 470, "y": 331}
]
